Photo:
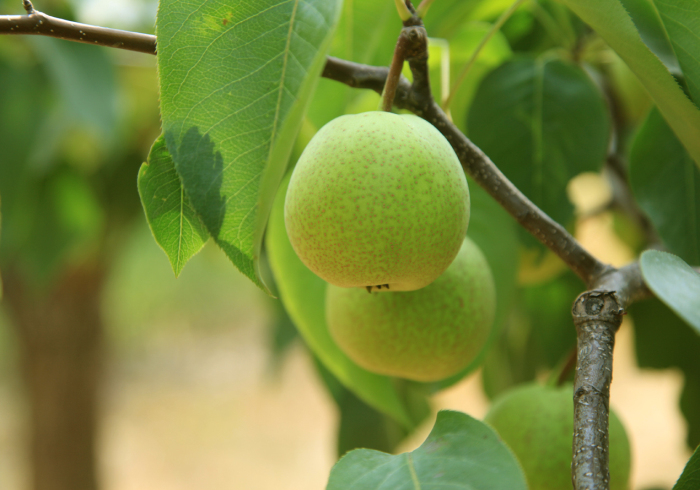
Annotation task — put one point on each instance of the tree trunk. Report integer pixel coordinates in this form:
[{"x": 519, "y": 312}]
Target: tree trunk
[{"x": 60, "y": 333}]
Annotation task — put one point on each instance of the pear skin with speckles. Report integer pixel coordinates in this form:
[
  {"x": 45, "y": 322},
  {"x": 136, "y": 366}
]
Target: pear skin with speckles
[
  {"x": 423, "y": 335},
  {"x": 537, "y": 423},
  {"x": 377, "y": 200}
]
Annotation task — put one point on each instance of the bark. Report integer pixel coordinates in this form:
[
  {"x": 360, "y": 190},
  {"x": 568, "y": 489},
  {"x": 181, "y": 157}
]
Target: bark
[{"x": 60, "y": 334}]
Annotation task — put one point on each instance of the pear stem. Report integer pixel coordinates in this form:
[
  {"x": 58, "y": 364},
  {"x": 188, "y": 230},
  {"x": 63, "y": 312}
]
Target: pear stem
[{"x": 394, "y": 75}]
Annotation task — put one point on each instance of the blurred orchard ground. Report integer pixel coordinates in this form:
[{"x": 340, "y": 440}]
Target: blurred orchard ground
[{"x": 205, "y": 386}]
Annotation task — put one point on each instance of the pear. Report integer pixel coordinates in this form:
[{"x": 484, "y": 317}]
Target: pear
[
  {"x": 422, "y": 335},
  {"x": 379, "y": 201},
  {"x": 537, "y": 423}
]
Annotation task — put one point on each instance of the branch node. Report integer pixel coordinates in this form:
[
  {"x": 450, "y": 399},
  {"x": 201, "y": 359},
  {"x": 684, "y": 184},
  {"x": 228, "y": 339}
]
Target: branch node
[{"x": 27, "y": 4}]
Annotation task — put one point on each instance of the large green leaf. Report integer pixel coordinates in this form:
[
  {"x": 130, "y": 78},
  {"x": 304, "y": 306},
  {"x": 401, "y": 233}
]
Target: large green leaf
[
  {"x": 304, "y": 296},
  {"x": 610, "y": 19},
  {"x": 662, "y": 341},
  {"x": 542, "y": 121},
  {"x": 690, "y": 478},
  {"x": 460, "y": 453},
  {"x": 666, "y": 185},
  {"x": 174, "y": 223},
  {"x": 674, "y": 283},
  {"x": 235, "y": 81},
  {"x": 682, "y": 21}
]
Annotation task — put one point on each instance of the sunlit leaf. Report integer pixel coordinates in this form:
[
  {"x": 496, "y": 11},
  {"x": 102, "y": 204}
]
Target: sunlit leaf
[
  {"x": 174, "y": 223},
  {"x": 675, "y": 283},
  {"x": 460, "y": 453},
  {"x": 666, "y": 185},
  {"x": 610, "y": 19},
  {"x": 235, "y": 81}
]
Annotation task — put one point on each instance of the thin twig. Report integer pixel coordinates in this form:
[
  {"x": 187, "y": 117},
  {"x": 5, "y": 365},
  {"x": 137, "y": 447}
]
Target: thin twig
[
  {"x": 394, "y": 75},
  {"x": 38, "y": 23}
]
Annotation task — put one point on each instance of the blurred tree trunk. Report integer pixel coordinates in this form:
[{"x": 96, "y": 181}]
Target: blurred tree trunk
[{"x": 60, "y": 333}]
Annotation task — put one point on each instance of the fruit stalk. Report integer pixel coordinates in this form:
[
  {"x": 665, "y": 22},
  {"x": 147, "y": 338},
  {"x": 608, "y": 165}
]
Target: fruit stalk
[{"x": 394, "y": 75}]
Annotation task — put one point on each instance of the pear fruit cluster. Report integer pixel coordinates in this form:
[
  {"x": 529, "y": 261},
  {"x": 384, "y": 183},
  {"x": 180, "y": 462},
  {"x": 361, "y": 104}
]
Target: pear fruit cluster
[
  {"x": 377, "y": 200},
  {"x": 537, "y": 423},
  {"x": 423, "y": 335},
  {"x": 379, "y": 203}
]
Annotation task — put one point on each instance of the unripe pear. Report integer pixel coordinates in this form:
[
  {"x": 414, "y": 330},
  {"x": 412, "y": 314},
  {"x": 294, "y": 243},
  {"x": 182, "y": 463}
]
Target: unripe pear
[
  {"x": 377, "y": 200},
  {"x": 537, "y": 423},
  {"x": 423, "y": 335}
]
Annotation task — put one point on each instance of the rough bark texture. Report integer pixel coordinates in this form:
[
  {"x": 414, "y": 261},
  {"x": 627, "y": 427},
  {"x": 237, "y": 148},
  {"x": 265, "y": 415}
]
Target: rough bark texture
[
  {"x": 60, "y": 334},
  {"x": 597, "y": 316}
]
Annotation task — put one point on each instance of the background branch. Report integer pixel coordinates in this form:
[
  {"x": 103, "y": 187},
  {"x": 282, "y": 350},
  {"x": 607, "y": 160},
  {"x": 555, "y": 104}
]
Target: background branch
[{"x": 38, "y": 23}]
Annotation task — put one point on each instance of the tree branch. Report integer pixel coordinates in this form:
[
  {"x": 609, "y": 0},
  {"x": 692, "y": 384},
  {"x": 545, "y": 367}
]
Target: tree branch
[{"x": 40, "y": 24}]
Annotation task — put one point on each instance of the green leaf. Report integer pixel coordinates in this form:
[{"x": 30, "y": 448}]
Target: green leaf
[
  {"x": 682, "y": 21},
  {"x": 647, "y": 21},
  {"x": 690, "y": 478},
  {"x": 304, "y": 296},
  {"x": 610, "y": 19},
  {"x": 235, "y": 82},
  {"x": 662, "y": 341},
  {"x": 173, "y": 221},
  {"x": 673, "y": 282},
  {"x": 666, "y": 185},
  {"x": 542, "y": 122},
  {"x": 85, "y": 78},
  {"x": 460, "y": 453}
]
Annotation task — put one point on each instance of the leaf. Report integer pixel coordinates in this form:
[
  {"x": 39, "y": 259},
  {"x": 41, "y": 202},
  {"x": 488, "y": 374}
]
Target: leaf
[
  {"x": 682, "y": 21},
  {"x": 666, "y": 185},
  {"x": 460, "y": 453},
  {"x": 304, "y": 296},
  {"x": 647, "y": 21},
  {"x": 690, "y": 478},
  {"x": 542, "y": 122},
  {"x": 235, "y": 82},
  {"x": 85, "y": 78},
  {"x": 612, "y": 22},
  {"x": 171, "y": 217},
  {"x": 674, "y": 283}
]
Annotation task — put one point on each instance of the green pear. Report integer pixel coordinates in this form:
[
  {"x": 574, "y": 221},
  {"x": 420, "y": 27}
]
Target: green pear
[
  {"x": 379, "y": 201},
  {"x": 537, "y": 423},
  {"x": 423, "y": 335}
]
